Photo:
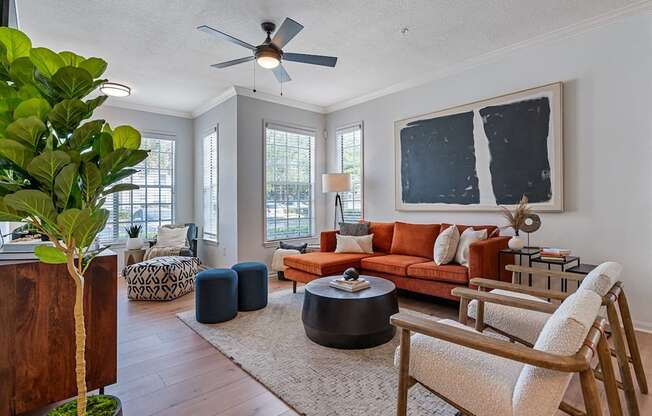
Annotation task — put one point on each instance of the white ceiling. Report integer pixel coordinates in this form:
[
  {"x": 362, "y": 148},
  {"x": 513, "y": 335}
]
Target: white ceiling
[{"x": 152, "y": 45}]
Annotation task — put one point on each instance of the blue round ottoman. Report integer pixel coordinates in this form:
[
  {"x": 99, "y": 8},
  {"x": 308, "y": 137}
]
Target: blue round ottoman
[
  {"x": 216, "y": 296},
  {"x": 252, "y": 285}
]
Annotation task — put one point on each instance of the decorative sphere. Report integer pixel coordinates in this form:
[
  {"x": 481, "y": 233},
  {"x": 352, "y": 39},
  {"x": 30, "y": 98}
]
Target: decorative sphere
[{"x": 351, "y": 274}]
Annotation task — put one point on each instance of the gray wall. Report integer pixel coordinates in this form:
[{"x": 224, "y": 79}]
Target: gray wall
[
  {"x": 251, "y": 113},
  {"x": 607, "y": 143},
  {"x": 225, "y": 253}
]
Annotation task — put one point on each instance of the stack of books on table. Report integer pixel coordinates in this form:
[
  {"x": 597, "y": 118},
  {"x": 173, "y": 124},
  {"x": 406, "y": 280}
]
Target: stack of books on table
[
  {"x": 349, "y": 285},
  {"x": 554, "y": 254}
]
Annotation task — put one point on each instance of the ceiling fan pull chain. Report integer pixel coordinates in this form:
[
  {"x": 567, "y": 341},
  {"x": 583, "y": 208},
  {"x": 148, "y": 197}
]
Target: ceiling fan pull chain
[
  {"x": 254, "y": 76},
  {"x": 281, "y": 89}
]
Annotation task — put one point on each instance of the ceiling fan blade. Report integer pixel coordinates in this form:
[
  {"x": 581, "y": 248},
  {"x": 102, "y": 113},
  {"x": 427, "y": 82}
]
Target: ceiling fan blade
[
  {"x": 233, "y": 62},
  {"x": 225, "y": 36},
  {"x": 281, "y": 74},
  {"x": 286, "y": 32},
  {"x": 311, "y": 59}
]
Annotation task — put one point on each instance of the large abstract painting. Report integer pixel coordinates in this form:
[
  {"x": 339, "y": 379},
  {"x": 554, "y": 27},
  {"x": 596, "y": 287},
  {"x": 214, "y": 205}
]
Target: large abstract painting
[{"x": 484, "y": 154}]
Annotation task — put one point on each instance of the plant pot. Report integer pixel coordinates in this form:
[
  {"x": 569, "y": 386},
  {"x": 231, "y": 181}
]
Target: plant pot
[
  {"x": 134, "y": 243},
  {"x": 516, "y": 243},
  {"x": 69, "y": 408}
]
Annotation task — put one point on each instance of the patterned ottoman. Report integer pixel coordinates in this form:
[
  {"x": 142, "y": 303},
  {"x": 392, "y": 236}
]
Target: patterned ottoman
[{"x": 161, "y": 278}]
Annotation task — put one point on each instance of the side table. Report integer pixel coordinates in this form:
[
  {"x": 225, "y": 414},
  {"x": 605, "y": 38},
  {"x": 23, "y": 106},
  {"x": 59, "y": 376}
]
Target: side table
[
  {"x": 134, "y": 256},
  {"x": 563, "y": 264},
  {"x": 526, "y": 252}
]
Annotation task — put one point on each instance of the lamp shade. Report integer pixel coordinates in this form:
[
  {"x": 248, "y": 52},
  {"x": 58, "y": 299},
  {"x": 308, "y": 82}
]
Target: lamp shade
[{"x": 336, "y": 182}]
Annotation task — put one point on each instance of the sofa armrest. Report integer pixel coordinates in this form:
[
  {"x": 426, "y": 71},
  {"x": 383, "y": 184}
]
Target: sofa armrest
[
  {"x": 327, "y": 241},
  {"x": 483, "y": 259}
]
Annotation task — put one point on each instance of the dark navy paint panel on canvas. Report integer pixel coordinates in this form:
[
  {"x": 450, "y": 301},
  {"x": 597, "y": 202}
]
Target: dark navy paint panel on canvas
[
  {"x": 518, "y": 145},
  {"x": 438, "y": 161}
]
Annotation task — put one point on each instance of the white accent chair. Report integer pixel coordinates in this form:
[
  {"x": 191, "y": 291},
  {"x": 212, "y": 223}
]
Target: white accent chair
[
  {"x": 485, "y": 376},
  {"x": 492, "y": 309}
]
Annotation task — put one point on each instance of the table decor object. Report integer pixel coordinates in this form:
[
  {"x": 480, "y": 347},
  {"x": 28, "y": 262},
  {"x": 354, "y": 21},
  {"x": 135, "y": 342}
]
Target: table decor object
[{"x": 515, "y": 220}]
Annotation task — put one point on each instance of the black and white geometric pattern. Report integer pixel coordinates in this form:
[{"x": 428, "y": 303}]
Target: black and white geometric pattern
[{"x": 161, "y": 278}]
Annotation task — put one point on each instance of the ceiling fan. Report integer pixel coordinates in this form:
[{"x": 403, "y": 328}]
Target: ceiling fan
[{"x": 270, "y": 53}]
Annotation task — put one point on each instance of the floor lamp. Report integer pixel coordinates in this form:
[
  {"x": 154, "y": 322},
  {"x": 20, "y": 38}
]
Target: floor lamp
[{"x": 336, "y": 182}]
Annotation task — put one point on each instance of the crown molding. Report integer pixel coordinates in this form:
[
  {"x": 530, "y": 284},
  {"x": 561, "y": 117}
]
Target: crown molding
[
  {"x": 148, "y": 109},
  {"x": 225, "y": 95},
  {"x": 556, "y": 35}
]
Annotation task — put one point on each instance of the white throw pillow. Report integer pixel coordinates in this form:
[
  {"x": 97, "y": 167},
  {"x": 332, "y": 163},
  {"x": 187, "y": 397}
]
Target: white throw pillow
[
  {"x": 468, "y": 236},
  {"x": 354, "y": 244},
  {"x": 446, "y": 245},
  {"x": 171, "y": 237}
]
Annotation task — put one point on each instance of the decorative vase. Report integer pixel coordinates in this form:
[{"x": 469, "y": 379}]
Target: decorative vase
[
  {"x": 516, "y": 243},
  {"x": 134, "y": 243}
]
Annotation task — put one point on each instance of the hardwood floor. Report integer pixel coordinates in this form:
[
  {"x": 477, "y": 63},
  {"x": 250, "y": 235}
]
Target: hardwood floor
[{"x": 165, "y": 368}]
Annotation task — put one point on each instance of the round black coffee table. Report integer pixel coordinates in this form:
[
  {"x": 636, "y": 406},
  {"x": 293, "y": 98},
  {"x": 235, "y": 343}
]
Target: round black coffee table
[{"x": 339, "y": 319}]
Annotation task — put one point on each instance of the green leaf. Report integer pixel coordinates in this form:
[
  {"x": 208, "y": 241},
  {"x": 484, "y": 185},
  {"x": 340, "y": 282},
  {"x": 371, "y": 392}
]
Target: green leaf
[
  {"x": 63, "y": 184},
  {"x": 46, "y": 61},
  {"x": 15, "y": 152},
  {"x": 22, "y": 71},
  {"x": 37, "y": 107},
  {"x": 35, "y": 203},
  {"x": 70, "y": 58},
  {"x": 15, "y": 42},
  {"x": 82, "y": 225},
  {"x": 26, "y": 130},
  {"x": 66, "y": 115},
  {"x": 94, "y": 103},
  {"x": 107, "y": 129},
  {"x": 84, "y": 135},
  {"x": 121, "y": 187},
  {"x": 71, "y": 82},
  {"x": 117, "y": 176},
  {"x": 126, "y": 137},
  {"x": 28, "y": 91},
  {"x": 103, "y": 144},
  {"x": 7, "y": 213},
  {"x": 47, "y": 165},
  {"x": 91, "y": 181},
  {"x": 94, "y": 66},
  {"x": 121, "y": 158},
  {"x": 50, "y": 255}
]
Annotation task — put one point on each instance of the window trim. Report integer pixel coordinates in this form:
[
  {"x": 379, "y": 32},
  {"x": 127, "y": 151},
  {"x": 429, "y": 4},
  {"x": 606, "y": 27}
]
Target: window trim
[
  {"x": 215, "y": 129},
  {"x": 299, "y": 129},
  {"x": 159, "y": 135},
  {"x": 338, "y": 164}
]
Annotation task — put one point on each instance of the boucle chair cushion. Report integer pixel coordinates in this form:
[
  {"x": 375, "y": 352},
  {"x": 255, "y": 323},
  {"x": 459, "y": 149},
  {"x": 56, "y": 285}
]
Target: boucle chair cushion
[
  {"x": 538, "y": 391},
  {"x": 161, "y": 278},
  {"x": 521, "y": 323},
  {"x": 602, "y": 278},
  {"x": 479, "y": 382}
]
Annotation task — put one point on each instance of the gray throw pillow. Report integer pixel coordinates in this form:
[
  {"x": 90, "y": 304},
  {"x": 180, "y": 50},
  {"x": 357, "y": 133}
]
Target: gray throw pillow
[
  {"x": 300, "y": 247},
  {"x": 354, "y": 228}
]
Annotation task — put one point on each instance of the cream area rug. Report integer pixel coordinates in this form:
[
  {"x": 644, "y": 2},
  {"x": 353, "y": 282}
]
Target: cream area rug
[{"x": 271, "y": 345}]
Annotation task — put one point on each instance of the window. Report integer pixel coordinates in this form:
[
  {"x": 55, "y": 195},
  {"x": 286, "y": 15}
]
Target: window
[
  {"x": 210, "y": 186},
  {"x": 349, "y": 160},
  {"x": 150, "y": 206},
  {"x": 289, "y": 207}
]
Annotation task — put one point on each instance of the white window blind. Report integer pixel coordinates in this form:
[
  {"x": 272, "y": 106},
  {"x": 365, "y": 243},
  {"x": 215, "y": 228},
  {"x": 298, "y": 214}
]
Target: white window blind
[
  {"x": 350, "y": 160},
  {"x": 210, "y": 186},
  {"x": 150, "y": 206},
  {"x": 289, "y": 206}
]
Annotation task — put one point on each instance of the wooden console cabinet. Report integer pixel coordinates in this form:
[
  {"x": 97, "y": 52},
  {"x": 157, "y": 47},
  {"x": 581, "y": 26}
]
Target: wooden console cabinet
[{"x": 37, "y": 332}]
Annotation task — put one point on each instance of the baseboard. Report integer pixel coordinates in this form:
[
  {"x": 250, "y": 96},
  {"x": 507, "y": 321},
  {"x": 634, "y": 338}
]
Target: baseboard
[{"x": 643, "y": 326}]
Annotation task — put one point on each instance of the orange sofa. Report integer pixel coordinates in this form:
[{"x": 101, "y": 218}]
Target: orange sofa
[{"x": 403, "y": 253}]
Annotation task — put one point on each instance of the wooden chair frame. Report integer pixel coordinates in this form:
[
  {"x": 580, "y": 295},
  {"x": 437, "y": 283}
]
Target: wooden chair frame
[
  {"x": 578, "y": 363},
  {"x": 623, "y": 332}
]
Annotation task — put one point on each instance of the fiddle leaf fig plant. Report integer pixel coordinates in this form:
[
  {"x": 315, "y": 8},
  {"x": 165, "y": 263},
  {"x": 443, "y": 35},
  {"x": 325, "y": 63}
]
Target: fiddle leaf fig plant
[{"x": 56, "y": 165}]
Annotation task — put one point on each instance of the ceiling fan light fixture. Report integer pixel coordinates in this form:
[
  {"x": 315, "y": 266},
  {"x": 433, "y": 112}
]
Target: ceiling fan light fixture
[
  {"x": 268, "y": 59},
  {"x": 114, "y": 89}
]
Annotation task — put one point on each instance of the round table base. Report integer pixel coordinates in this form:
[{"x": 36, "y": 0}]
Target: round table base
[{"x": 350, "y": 342}]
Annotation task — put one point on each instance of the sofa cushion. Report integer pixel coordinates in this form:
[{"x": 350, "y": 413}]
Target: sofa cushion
[
  {"x": 453, "y": 273},
  {"x": 383, "y": 233},
  {"x": 491, "y": 229},
  {"x": 323, "y": 264},
  {"x": 414, "y": 239},
  {"x": 392, "y": 264}
]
